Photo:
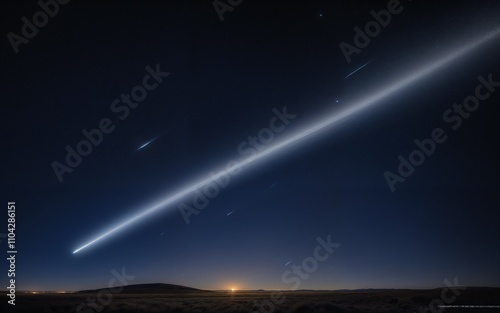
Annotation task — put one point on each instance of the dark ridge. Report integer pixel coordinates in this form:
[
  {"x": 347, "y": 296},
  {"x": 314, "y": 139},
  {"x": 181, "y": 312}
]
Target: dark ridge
[{"x": 149, "y": 288}]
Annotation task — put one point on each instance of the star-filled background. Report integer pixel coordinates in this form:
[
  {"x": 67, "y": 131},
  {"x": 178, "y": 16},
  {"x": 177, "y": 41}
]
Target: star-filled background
[{"x": 225, "y": 78}]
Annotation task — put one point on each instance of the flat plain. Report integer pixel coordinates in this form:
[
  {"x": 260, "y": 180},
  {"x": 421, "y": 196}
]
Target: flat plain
[{"x": 472, "y": 299}]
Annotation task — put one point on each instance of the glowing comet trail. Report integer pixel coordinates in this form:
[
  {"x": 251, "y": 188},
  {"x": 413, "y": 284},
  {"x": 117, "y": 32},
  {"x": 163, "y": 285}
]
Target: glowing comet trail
[
  {"x": 308, "y": 132},
  {"x": 146, "y": 144},
  {"x": 358, "y": 69}
]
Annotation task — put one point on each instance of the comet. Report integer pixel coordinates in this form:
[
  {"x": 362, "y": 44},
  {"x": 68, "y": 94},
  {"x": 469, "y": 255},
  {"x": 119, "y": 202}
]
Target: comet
[
  {"x": 316, "y": 128},
  {"x": 359, "y": 68},
  {"x": 146, "y": 144}
]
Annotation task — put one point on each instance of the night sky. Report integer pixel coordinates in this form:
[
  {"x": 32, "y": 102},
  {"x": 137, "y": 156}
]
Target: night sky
[{"x": 225, "y": 79}]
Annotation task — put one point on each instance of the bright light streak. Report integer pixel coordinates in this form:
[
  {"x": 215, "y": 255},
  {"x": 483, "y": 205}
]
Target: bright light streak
[
  {"x": 316, "y": 128},
  {"x": 147, "y": 143},
  {"x": 359, "y": 68}
]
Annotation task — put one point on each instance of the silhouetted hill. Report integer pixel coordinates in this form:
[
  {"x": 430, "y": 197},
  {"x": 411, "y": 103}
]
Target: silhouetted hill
[{"x": 150, "y": 289}]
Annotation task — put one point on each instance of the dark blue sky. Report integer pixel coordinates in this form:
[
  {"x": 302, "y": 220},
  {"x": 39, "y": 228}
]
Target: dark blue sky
[{"x": 226, "y": 77}]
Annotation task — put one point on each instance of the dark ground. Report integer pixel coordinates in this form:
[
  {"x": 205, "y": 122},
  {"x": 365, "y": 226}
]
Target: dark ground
[{"x": 244, "y": 301}]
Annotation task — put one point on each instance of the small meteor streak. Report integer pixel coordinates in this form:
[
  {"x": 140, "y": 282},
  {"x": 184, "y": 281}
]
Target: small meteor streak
[
  {"x": 288, "y": 262},
  {"x": 359, "y": 68},
  {"x": 229, "y": 213},
  {"x": 146, "y": 144},
  {"x": 314, "y": 129}
]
